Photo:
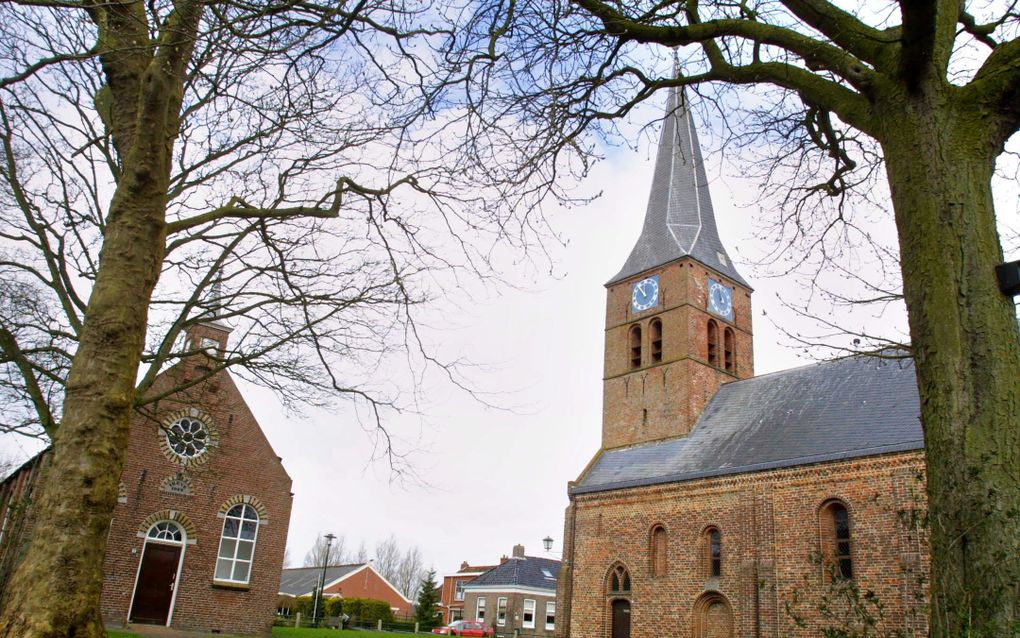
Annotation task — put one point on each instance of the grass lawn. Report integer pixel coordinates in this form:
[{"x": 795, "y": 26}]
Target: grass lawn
[{"x": 288, "y": 632}]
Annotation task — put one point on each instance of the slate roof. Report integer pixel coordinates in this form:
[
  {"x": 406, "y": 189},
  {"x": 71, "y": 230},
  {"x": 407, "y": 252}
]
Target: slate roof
[
  {"x": 679, "y": 220},
  {"x": 301, "y": 581},
  {"x": 841, "y": 409},
  {"x": 529, "y": 571}
]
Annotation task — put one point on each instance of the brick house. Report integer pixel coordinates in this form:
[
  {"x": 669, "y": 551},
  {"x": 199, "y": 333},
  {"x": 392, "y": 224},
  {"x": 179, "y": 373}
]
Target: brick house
[
  {"x": 723, "y": 504},
  {"x": 198, "y": 534},
  {"x": 516, "y": 598},
  {"x": 451, "y": 598},
  {"x": 347, "y": 581}
]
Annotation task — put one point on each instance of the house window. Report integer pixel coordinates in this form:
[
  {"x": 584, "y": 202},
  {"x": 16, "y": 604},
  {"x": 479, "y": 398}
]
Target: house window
[
  {"x": 550, "y": 615},
  {"x": 529, "y": 614},
  {"x": 458, "y": 590},
  {"x": 501, "y": 611},
  {"x": 659, "y": 550},
  {"x": 729, "y": 350},
  {"x": 619, "y": 580},
  {"x": 456, "y": 614},
  {"x": 714, "y": 539},
  {"x": 835, "y": 526},
  {"x": 480, "y": 609},
  {"x": 237, "y": 544},
  {"x": 713, "y": 342},
  {"x": 635, "y": 346},
  {"x": 656, "y": 329}
]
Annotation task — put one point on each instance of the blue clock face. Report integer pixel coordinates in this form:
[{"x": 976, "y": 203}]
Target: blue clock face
[
  {"x": 720, "y": 299},
  {"x": 645, "y": 294}
]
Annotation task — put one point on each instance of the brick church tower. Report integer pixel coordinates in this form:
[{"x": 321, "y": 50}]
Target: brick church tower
[{"x": 678, "y": 314}]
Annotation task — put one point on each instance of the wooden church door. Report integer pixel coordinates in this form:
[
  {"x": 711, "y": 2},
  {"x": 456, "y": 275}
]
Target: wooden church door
[
  {"x": 155, "y": 588},
  {"x": 621, "y": 619}
]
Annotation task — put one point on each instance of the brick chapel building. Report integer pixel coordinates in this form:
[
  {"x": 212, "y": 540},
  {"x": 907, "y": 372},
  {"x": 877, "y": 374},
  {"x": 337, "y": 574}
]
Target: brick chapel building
[
  {"x": 199, "y": 530},
  {"x": 722, "y": 504}
]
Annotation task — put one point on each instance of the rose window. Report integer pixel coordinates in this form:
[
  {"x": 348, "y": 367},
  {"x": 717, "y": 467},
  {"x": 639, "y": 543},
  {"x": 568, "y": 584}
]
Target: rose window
[{"x": 188, "y": 437}]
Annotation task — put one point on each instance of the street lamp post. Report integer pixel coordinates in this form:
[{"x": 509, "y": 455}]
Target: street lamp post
[
  {"x": 547, "y": 543},
  {"x": 322, "y": 582}
]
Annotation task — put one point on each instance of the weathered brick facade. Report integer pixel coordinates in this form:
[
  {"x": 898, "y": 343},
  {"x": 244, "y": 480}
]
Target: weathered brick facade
[
  {"x": 663, "y": 399},
  {"x": 771, "y": 535},
  {"x": 236, "y": 467},
  {"x": 693, "y": 520}
]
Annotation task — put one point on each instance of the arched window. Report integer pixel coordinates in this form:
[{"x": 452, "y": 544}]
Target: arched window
[
  {"x": 656, "y": 329},
  {"x": 835, "y": 529},
  {"x": 237, "y": 544},
  {"x": 713, "y": 342},
  {"x": 619, "y": 580},
  {"x": 659, "y": 551},
  {"x": 729, "y": 350},
  {"x": 714, "y": 554},
  {"x": 635, "y": 346}
]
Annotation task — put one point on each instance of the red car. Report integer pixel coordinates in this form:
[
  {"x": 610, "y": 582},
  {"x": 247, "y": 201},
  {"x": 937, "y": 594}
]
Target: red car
[{"x": 465, "y": 628}]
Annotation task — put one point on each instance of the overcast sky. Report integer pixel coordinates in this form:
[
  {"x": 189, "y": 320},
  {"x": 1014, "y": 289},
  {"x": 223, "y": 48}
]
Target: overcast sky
[{"x": 492, "y": 478}]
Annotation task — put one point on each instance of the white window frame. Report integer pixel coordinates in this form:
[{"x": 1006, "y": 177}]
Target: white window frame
[
  {"x": 501, "y": 611},
  {"x": 480, "y": 609},
  {"x": 550, "y": 612},
  {"x": 233, "y": 558},
  {"x": 525, "y": 623},
  {"x": 458, "y": 590}
]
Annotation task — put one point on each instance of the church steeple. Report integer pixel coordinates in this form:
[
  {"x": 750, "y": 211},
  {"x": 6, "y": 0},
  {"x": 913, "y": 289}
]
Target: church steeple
[
  {"x": 679, "y": 220},
  {"x": 678, "y": 315}
]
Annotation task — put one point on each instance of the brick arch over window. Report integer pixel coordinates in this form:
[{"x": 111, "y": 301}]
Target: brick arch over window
[
  {"x": 655, "y": 339},
  {"x": 712, "y": 551},
  {"x": 658, "y": 550},
  {"x": 168, "y": 515},
  {"x": 618, "y": 580},
  {"x": 729, "y": 350},
  {"x": 712, "y": 616},
  {"x": 254, "y": 501},
  {"x": 713, "y": 342},
  {"x": 634, "y": 345},
  {"x": 835, "y": 531}
]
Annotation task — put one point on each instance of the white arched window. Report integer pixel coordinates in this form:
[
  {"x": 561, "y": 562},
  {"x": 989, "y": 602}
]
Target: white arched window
[{"x": 237, "y": 544}]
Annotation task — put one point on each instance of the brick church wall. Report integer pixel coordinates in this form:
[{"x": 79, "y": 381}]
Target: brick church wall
[
  {"x": 157, "y": 487},
  {"x": 770, "y": 530}
]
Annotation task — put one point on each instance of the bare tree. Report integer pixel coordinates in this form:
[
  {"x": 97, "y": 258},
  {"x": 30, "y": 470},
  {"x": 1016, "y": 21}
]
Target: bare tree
[
  {"x": 361, "y": 556},
  {"x": 926, "y": 93},
  {"x": 411, "y": 573},
  {"x": 317, "y": 556},
  {"x": 387, "y": 559},
  {"x": 293, "y": 169},
  {"x": 403, "y": 569}
]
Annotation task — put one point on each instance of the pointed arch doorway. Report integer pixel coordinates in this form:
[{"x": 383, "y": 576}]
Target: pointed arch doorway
[{"x": 621, "y": 619}]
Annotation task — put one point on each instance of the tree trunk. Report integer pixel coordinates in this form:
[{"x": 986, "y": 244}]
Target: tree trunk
[
  {"x": 55, "y": 591},
  {"x": 967, "y": 352}
]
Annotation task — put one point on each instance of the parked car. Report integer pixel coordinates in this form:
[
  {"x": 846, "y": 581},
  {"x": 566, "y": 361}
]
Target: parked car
[{"x": 465, "y": 628}]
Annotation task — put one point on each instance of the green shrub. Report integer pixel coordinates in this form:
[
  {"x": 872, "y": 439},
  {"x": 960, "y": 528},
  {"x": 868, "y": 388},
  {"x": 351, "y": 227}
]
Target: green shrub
[
  {"x": 366, "y": 610},
  {"x": 334, "y": 606}
]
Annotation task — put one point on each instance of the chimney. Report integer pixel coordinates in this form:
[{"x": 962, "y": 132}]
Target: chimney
[
  {"x": 503, "y": 559},
  {"x": 464, "y": 566},
  {"x": 518, "y": 551}
]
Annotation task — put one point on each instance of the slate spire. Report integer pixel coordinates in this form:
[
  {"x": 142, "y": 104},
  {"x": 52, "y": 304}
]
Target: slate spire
[{"x": 679, "y": 221}]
